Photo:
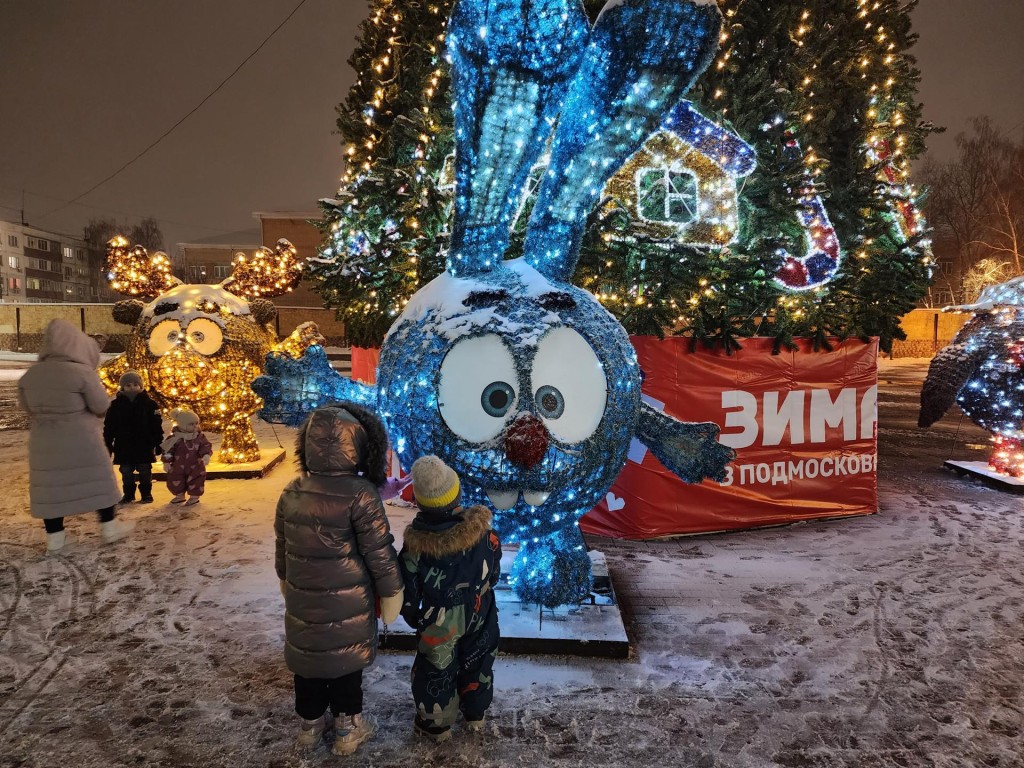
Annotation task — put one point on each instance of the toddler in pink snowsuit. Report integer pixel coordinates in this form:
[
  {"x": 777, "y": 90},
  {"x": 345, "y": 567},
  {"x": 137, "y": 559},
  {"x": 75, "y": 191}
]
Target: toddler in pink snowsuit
[{"x": 185, "y": 455}]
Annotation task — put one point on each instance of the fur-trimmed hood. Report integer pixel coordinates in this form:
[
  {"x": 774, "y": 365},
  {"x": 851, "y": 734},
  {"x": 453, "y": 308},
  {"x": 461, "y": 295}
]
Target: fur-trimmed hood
[
  {"x": 343, "y": 438},
  {"x": 449, "y": 540}
]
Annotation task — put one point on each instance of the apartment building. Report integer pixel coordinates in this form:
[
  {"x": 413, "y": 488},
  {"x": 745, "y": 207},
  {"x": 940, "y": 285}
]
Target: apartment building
[
  {"x": 40, "y": 266},
  {"x": 210, "y": 262}
]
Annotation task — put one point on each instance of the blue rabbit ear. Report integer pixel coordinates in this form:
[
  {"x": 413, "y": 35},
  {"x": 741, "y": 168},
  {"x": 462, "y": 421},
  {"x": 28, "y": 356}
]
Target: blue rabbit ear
[
  {"x": 642, "y": 57},
  {"x": 512, "y": 61}
]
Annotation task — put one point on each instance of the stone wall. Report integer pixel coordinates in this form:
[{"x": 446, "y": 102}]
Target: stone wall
[
  {"x": 22, "y": 325},
  {"x": 928, "y": 331}
]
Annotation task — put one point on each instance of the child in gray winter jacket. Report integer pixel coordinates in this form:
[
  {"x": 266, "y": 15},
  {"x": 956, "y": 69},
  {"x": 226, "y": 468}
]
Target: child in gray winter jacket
[{"x": 335, "y": 559}]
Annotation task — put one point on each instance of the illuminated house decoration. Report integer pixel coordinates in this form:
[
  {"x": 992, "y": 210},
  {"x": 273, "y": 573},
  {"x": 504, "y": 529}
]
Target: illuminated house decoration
[
  {"x": 200, "y": 346},
  {"x": 517, "y": 379},
  {"x": 982, "y": 370},
  {"x": 681, "y": 184}
]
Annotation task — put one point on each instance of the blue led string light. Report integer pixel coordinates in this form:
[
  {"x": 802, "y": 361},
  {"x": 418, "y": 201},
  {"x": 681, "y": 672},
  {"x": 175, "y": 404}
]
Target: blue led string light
[
  {"x": 641, "y": 59},
  {"x": 520, "y": 381},
  {"x": 510, "y": 71}
]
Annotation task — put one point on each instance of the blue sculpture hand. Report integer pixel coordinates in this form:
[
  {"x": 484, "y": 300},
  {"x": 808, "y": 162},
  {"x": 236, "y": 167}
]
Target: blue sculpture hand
[
  {"x": 690, "y": 450},
  {"x": 291, "y": 388}
]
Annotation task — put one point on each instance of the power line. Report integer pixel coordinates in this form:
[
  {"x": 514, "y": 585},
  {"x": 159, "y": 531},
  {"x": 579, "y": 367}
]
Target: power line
[
  {"x": 128, "y": 214},
  {"x": 170, "y": 130}
]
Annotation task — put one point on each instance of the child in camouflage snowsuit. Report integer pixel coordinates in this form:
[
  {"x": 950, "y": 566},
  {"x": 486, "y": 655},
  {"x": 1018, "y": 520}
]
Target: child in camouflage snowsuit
[{"x": 451, "y": 561}]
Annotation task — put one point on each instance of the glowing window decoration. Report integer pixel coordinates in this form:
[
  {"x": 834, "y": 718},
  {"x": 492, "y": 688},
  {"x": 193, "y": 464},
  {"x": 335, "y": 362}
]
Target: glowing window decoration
[
  {"x": 200, "y": 346},
  {"x": 982, "y": 369},
  {"x": 666, "y": 195},
  {"x": 555, "y": 401}
]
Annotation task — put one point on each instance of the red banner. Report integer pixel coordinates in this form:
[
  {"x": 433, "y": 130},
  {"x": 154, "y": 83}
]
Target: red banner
[
  {"x": 364, "y": 364},
  {"x": 803, "y": 425}
]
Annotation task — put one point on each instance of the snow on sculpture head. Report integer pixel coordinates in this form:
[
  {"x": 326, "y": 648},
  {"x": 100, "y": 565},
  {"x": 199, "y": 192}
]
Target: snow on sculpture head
[{"x": 521, "y": 382}]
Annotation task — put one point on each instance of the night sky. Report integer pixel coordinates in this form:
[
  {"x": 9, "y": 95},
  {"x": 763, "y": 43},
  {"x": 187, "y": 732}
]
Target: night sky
[{"x": 85, "y": 85}]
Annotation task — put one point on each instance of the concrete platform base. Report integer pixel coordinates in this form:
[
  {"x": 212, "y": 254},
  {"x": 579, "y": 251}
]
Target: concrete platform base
[
  {"x": 269, "y": 458},
  {"x": 980, "y": 470},
  {"x": 593, "y": 628}
]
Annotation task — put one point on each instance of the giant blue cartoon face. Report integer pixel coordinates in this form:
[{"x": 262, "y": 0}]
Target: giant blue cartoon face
[
  {"x": 520, "y": 381},
  {"x": 529, "y": 389}
]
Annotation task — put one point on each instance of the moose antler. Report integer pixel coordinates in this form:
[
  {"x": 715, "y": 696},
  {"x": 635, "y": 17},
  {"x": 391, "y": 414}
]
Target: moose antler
[
  {"x": 267, "y": 273},
  {"x": 134, "y": 272}
]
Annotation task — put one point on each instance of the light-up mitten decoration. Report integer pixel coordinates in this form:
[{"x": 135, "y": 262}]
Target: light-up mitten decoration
[
  {"x": 520, "y": 381},
  {"x": 982, "y": 370}
]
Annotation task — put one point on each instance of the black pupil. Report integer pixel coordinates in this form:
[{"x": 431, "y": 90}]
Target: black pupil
[
  {"x": 498, "y": 399},
  {"x": 549, "y": 402}
]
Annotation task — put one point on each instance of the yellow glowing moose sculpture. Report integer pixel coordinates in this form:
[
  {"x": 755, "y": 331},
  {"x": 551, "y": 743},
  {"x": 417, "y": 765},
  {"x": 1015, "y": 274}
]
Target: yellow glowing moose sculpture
[{"x": 200, "y": 346}]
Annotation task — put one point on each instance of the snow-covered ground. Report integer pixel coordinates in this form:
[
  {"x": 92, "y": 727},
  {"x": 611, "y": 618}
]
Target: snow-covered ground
[{"x": 891, "y": 640}]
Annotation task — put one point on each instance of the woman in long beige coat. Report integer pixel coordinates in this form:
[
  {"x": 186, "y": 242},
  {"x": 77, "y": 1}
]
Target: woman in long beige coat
[{"x": 69, "y": 467}]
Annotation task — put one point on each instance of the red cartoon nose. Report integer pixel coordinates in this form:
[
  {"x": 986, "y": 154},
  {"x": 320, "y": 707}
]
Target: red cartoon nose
[{"x": 526, "y": 441}]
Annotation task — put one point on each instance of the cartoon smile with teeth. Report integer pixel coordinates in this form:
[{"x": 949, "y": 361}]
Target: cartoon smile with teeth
[{"x": 520, "y": 381}]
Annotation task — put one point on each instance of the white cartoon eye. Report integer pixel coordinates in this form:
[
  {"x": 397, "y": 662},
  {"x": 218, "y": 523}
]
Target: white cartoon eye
[
  {"x": 204, "y": 336},
  {"x": 163, "y": 337},
  {"x": 569, "y": 386},
  {"x": 477, "y": 388}
]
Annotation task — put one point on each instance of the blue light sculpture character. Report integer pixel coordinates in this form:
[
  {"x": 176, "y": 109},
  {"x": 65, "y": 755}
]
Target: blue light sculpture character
[{"x": 520, "y": 381}]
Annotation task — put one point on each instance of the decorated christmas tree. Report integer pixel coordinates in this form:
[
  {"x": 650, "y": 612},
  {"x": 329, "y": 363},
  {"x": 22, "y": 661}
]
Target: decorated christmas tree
[
  {"x": 385, "y": 230},
  {"x": 776, "y": 203}
]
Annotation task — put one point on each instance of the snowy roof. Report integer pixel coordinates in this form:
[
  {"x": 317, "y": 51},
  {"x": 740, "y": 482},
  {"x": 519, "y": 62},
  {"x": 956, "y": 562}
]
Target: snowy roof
[{"x": 719, "y": 144}]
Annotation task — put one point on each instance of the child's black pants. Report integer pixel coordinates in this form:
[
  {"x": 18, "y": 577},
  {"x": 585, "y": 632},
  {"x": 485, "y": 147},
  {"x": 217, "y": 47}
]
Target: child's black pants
[
  {"x": 145, "y": 471},
  {"x": 344, "y": 695}
]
